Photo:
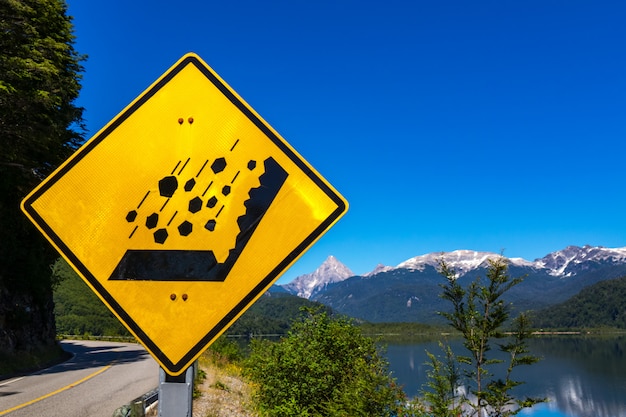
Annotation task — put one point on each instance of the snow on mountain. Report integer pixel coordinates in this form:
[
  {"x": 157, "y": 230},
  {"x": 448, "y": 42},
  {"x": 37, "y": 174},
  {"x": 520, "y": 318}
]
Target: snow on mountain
[
  {"x": 331, "y": 271},
  {"x": 462, "y": 261},
  {"x": 379, "y": 268},
  {"x": 561, "y": 263}
]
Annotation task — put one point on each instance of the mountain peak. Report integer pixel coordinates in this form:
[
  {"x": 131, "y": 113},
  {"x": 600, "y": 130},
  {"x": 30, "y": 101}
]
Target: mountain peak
[
  {"x": 560, "y": 262},
  {"x": 461, "y": 260},
  {"x": 329, "y": 272}
]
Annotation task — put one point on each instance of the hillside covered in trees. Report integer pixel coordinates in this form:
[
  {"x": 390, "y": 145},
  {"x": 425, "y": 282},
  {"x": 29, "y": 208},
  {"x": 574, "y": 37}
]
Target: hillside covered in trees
[
  {"x": 78, "y": 310},
  {"x": 599, "y": 305}
]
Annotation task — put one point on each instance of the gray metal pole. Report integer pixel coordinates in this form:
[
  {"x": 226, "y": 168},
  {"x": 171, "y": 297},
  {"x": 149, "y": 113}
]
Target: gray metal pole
[{"x": 175, "y": 393}]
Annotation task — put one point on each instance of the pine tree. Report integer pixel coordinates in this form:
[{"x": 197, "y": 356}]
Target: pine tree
[{"x": 40, "y": 126}]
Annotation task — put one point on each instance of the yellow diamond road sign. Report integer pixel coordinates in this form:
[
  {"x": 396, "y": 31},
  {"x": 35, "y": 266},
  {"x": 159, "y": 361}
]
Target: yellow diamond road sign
[{"x": 183, "y": 210}]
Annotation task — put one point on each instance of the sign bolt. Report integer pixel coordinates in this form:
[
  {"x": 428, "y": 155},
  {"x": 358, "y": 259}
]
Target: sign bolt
[
  {"x": 172, "y": 297},
  {"x": 190, "y": 120},
  {"x": 184, "y": 297},
  {"x": 180, "y": 120}
]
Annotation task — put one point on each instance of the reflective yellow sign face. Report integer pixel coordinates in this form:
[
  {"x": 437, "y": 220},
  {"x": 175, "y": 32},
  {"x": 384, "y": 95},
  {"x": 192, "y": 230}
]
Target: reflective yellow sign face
[{"x": 183, "y": 210}]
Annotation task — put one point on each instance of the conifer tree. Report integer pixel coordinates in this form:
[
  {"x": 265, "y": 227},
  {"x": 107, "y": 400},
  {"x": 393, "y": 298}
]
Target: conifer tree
[{"x": 40, "y": 126}]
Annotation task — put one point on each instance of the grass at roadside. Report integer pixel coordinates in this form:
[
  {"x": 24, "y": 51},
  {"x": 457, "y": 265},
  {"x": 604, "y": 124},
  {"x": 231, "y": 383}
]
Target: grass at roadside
[
  {"x": 221, "y": 389},
  {"x": 123, "y": 339},
  {"x": 19, "y": 362}
]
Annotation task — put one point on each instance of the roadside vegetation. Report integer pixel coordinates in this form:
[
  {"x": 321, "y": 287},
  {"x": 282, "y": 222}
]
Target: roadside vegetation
[
  {"x": 221, "y": 390},
  {"x": 323, "y": 367}
]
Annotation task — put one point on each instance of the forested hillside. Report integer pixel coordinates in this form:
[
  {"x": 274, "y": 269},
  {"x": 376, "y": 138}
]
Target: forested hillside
[
  {"x": 272, "y": 314},
  {"x": 599, "y": 305},
  {"x": 77, "y": 309}
]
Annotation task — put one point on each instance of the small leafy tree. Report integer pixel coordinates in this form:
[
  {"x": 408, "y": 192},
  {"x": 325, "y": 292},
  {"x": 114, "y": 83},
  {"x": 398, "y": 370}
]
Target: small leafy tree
[
  {"x": 323, "y": 367},
  {"x": 479, "y": 313}
]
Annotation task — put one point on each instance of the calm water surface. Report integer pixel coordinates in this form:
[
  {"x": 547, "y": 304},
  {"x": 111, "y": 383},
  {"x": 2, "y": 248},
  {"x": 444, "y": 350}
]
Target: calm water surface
[{"x": 580, "y": 376}]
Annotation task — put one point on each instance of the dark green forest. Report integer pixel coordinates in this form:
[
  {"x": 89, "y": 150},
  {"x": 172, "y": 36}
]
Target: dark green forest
[
  {"x": 40, "y": 126},
  {"x": 272, "y": 314},
  {"x": 78, "y": 310},
  {"x": 597, "y": 306}
]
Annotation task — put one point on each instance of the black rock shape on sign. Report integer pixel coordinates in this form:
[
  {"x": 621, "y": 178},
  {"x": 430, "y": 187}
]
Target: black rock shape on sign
[{"x": 201, "y": 265}]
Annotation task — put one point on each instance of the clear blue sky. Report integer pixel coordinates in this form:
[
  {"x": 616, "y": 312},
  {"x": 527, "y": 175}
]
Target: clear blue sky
[{"x": 447, "y": 124}]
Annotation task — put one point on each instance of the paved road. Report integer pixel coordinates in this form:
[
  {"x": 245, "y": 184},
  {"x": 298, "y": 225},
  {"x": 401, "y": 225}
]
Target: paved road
[{"x": 101, "y": 377}]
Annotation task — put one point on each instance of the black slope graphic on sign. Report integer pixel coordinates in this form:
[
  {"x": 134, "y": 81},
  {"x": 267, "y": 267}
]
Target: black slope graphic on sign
[{"x": 201, "y": 265}]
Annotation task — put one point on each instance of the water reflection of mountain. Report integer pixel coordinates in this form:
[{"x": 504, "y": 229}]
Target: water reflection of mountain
[{"x": 583, "y": 377}]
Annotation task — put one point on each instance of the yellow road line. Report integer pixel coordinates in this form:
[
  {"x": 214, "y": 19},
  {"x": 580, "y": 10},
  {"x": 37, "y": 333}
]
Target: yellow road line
[{"x": 72, "y": 385}]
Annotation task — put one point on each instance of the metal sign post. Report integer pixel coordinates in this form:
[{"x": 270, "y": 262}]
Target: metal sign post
[{"x": 175, "y": 393}]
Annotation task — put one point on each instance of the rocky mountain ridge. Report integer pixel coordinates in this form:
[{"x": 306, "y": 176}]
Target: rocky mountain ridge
[
  {"x": 308, "y": 285},
  {"x": 563, "y": 263},
  {"x": 410, "y": 291}
]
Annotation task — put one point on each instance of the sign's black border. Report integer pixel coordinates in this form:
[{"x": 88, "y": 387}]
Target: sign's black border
[{"x": 178, "y": 367}]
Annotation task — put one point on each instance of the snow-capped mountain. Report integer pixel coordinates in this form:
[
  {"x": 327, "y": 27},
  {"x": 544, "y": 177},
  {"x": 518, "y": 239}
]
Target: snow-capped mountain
[
  {"x": 571, "y": 260},
  {"x": 462, "y": 261},
  {"x": 563, "y": 263},
  {"x": 410, "y": 291},
  {"x": 330, "y": 272}
]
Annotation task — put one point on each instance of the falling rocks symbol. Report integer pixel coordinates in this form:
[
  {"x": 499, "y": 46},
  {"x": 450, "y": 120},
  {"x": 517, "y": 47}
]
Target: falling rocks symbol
[{"x": 199, "y": 265}]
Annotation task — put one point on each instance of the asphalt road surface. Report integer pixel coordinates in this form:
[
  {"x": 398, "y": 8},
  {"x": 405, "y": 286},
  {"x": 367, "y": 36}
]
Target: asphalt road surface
[{"x": 99, "y": 378}]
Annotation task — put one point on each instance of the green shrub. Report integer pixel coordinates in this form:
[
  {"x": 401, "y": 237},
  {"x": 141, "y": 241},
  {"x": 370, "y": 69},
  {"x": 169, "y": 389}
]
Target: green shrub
[{"x": 323, "y": 367}]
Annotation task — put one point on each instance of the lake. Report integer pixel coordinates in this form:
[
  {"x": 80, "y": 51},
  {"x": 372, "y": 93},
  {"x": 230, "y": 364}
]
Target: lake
[{"x": 581, "y": 376}]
